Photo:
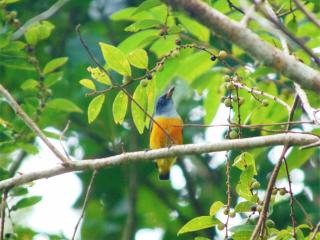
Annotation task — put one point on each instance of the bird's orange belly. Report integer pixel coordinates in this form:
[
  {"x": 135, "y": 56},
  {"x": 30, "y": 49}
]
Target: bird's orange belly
[{"x": 173, "y": 126}]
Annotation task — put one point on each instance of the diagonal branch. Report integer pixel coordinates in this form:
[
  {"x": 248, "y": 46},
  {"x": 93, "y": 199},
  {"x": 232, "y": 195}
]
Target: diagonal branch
[
  {"x": 251, "y": 43},
  {"x": 292, "y": 139},
  {"x": 31, "y": 124}
]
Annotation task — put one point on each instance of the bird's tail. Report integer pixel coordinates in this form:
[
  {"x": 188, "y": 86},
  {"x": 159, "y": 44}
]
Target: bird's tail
[{"x": 164, "y": 165}]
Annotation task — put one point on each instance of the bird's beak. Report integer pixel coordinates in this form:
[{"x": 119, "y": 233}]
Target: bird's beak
[{"x": 169, "y": 93}]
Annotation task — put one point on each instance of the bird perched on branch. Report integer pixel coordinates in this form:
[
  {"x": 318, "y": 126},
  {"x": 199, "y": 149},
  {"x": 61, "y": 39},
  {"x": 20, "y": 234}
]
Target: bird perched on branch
[{"x": 169, "y": 134}]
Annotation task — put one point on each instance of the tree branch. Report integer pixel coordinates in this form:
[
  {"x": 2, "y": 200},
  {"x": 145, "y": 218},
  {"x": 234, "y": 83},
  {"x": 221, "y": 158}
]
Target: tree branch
[
  {"x": 313, "y": 18},
  {"x": 297, "y": 139},
  {"x": 31, "y": 124},
  {"x": 42, "y": 16},
  {"x": 251, "y": 43}
]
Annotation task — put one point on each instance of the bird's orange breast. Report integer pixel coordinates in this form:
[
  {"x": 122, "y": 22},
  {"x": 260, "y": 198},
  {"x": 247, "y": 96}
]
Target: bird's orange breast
[{"x": 159, "y": 139}]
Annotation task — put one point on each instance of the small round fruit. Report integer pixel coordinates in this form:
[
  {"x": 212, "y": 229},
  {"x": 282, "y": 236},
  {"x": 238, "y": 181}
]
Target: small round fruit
[
  {"x": 144, "y": 83},
  {"x": 227, "y": 78},
  {"x": 220, "y": 226},
  {"x": 265, "y": 103},
  {"x": 233, "y": 134},
  {"x": 254, "y": 208},
  {"x": 213, "y": 57},
  {"x": 230, "y": 86},
  {"x": 283, "y": 191},
  {"x": 241, "y": 101},
  {"x": 274, "y": 191},
  {"x": 226, "y": 211},
  {"x": 178, "y": 41},
  {"x": 222, "y": 54},
  {"x": 227, "y": 102},
  {"x": 149, "y": 76},
  {"x": 270, "y": 223},
  {"x": 259, "y": 208},
  {"x": 232, "y": 214},
  {"x": 255, "y": 185},
  {"x": 223, "y": 98}
]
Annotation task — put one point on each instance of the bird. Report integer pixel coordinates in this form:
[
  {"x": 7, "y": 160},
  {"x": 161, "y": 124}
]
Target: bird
[{"x": 166, "y": 116}]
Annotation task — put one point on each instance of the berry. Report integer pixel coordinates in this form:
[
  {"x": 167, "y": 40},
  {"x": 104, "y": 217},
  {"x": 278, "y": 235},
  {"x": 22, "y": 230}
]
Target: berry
[
  {"x": 226, "y": 211},
  {"x": 259, "y": 208},
  {"x": 241, "y": 100},
  {"x": 230, "y": 86},
  {"x": 144, "y": 83},
  {"x": 254, "y": 208},
  {"x": 222, "y": 99},
  {"x": 265, "y": 103},
  {"x": 255, "y": 185},
  {"x": 222, "y": 54},
  {"x": 178, "y": 41},
  {"x": 283, "y": 191},
  {"x": 274, "y": 191},
  {"x": 232, "y": 214},
  {"x": 270, "y": 223},
  {"x": 160, "y": 68},
  {"x": 220, "y": 226},
  {"x": 227, "y": 78},
  {"x": 227, "y": 102},
  {"x": 149, "y": 76},
  {"x": 213, "y": 57},
  {"x": 233, "y": 134}
]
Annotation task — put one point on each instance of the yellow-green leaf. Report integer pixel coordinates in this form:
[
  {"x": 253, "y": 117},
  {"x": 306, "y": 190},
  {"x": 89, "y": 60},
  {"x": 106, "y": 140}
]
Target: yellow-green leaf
[
  {"x": 99, "y": 75},
  {"x": 215, "y": 207},
  {"x": 138, "y": 58},
  {"x": 115, "y": 59},
  {"x": 143, "y": 24},
  {"x": 148, "y": 4},
  {"x": 151, "y": 92},
  {"x": 95, "y": 107},
  {"x": 119, "y": 107},
  {"x": 63, "y": 105},
  {"x": 244, "y": 160},
  {"x": 54, "y": 64},
  {"x": 198, "y": 223},
  {"x": 140, "y": 96},
  {"x": 244, "y": 206},
  {"x": 88, "y": 84}
]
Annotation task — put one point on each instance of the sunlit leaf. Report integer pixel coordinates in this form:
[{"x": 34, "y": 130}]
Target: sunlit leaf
[
  {"x": 215, "y": 207},
  {"x": 142, "y": 25},
  {"x": 95, "y": 107},
  {"x": 119, "y": 107},
  {"x": 140, "y": 96},
  {"x": 115, "y": 59},
  {"x": 30, "y": 84},
  {"x": 54, "y": 64},
  {"x": 63, "y": 104},
  {"x": 198, "y": 223},
  {"x": 145, "y": 5},
  {"x": 244, "y": 206},
  {"x": 138, "y": 58},
  {"x": 88, "y": 84},
  {"x": 99, "y": 75},
  {"x": 18, "y": 191},
  {"x": 244, "y": 160}
]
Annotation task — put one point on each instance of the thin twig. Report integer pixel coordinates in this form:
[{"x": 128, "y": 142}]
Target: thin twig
[
  {"x": 62, "y": 138},
  {"x": 31, "y": 124},
  {"x": 303, "y": 210},
  {"x": 263, "y": 215},
  {"x": 313, "y": 18},
  {"x": 84, "y": 203},
  {"x": 42, "y": 16},
  {"x": 316, "y": 229},
  {"x": 3, "y": 212}
]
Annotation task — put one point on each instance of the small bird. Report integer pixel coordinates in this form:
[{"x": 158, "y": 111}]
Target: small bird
[{"x": 168, "y": 118}]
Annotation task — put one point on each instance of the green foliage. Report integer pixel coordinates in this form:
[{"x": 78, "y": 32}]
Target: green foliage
[
  {"x": 95, "y": 107},
  {"x": 140, "y": 96},
  {"x": 38, "y": 31},
  {"x": 54, "y": 64},
  {"x": 26, "y": 202},
  {"x": 198, "y": 223},
  {"x": 138, "y": 58},
  {"x": 63, "y": 104},
  {"x": 119, "y": 107}
]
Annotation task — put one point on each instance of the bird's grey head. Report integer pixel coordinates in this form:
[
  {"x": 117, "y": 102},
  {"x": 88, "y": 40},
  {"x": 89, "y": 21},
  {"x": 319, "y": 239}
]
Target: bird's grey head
[{"x": 165, "y": 106}]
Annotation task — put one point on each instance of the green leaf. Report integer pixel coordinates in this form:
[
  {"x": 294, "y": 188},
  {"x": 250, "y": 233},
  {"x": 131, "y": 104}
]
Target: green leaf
[
  {"x": 29, "y": 148},
  {"x": 29, "y": 84},
  {"x": 198, "y": 223},
  {"x": 195, "y": 28},
  {"x": 244, "y": 206},
  {"x": 18, "y": 191},
  {"x": 148, "y": 4},
  {"x": 215, "y": 207},
  {"x": 4, "y": 174},
  {"x": 26, "y": 202},
  {"x": 54, "y": 64},
  {"x": 4, "y": 39},
  {"x": 119, "y": 107},
  {"x": 88, "y": 84},
  {"x": 99, "y": 75},
  {"x": 52, "y": 78},
  {"x": 142, "y": 25},
  {"x": 63, "y": 104},
  {"x": 115, "y": 59},
  {"x": 151, "y": 92},
  {"x": 243, "y": 160},
  {"x": 140, "y": 95},
  {"x": 293, "y": 25},
  {"x": 242, "y": 232},
  {"x": 38, "y": 31},
  {"x": 138, "y": 58},
  {"x": 201, "y": 238},
  {"x": 95, "y": 107}
]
